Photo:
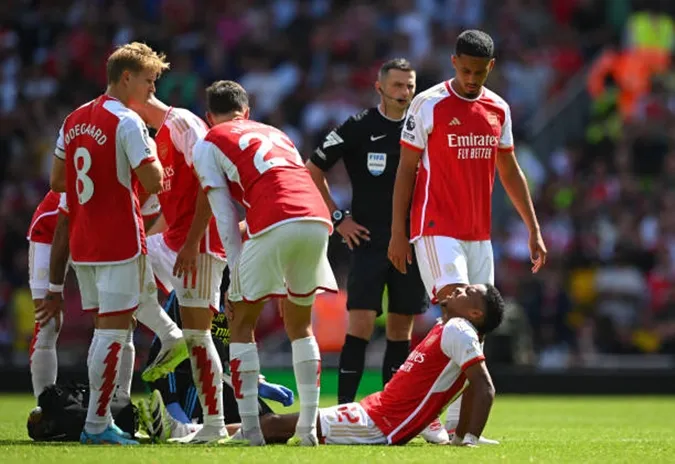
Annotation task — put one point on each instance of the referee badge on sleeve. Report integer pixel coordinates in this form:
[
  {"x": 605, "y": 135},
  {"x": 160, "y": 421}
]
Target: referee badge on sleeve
[{"x": 377, "y": 162}]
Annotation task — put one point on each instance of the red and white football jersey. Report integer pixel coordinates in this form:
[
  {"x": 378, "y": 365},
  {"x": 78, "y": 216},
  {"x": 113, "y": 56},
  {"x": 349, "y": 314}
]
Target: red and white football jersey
[
  {"x": 175, "y": 141},
  {"x": 460, "y": 140},
  {"x": 263, "y": 171},
  {"x": 431, "y": 377},
  {"x": 102, "y": 142},
  {"x": 43, "y": 224}
]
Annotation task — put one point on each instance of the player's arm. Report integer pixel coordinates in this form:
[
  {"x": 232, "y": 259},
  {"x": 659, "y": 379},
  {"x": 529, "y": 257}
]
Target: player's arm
[
  {"x": 477, "y": 402},
  {"x": 319, "y": 178},
  {"x": 58, "y": 259},
  {"x": 150, "y": 174},
  {"x": 212, "y": 178},
  {"x": 227, "y": 219},
  {"x": 57, "y": 177},
  {"x": 515, "y": 184},
  {"x": 413, "y": 142},
  {"x": 186, "y": 260}
]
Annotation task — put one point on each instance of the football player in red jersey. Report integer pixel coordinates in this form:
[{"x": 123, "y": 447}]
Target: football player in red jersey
[
  {"x": 187, "y": 256},
  {"x": 102, "y": 155},
  {"x": 284, "y": 254},
  {"x": 458, "y": 132},
  {"x": 434, "y": 374}
]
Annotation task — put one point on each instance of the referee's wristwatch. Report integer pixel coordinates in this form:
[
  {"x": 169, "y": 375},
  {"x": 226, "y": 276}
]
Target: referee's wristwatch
[{"x": 339, "y": 215}]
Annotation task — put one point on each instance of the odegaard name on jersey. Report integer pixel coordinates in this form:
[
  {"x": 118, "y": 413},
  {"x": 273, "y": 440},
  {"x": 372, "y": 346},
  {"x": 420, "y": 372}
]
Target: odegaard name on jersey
[{"x": 85, "y": 129}]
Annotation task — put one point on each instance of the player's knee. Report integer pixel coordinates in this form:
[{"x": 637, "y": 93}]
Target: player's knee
[
  {"x": 302, "y": 300},
  {"x": 361, "y": 323},
  {"x": 196, "y": 318}
]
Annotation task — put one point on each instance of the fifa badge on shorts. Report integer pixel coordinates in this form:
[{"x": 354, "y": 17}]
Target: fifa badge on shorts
[{"x": 377, "y": 162}]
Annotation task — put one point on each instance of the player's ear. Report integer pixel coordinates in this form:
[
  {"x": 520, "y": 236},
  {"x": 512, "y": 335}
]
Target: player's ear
[
  {"x": 247, "y": 113},
  {"x": 209, "y": 119},
  {"x": 491, "y": 65}
]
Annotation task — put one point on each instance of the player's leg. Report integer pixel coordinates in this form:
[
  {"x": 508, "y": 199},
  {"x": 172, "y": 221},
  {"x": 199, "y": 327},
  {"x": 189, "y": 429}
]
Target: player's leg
[
  {"x": 365, "y": 286},
  {"x": 151, "y": 314},
  {"x": 257, "y": 276},
  {"x": 43, "y": 359},
  {"x": 115, "y": 289},
  {"x": 306, "y": 270},
  {"x": 127, "y": 361},
  {"x": 407, "y": 298},
  {"x": 198, "y": 297}
]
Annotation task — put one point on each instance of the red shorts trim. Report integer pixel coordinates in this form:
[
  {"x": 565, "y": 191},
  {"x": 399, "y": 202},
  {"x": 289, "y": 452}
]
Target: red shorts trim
[{"x": 302, "y": 295}]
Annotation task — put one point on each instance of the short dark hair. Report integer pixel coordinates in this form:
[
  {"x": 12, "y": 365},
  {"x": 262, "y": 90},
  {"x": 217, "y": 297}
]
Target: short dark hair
[
  {"x": 397, "y": 63},
  {"x": 223, "y": 97},
  {"x": 494, "y": 309},
  {"x": 475, "y": 43}
]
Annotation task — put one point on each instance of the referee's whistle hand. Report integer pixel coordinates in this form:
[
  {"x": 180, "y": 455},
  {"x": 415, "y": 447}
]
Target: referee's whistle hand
[
  {"x": 352, "y": 232},
  {"x": 400, "y": 252}
]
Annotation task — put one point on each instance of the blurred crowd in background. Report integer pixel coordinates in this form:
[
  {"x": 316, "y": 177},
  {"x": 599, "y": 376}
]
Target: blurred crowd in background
[{"x": 605, "y": 198}]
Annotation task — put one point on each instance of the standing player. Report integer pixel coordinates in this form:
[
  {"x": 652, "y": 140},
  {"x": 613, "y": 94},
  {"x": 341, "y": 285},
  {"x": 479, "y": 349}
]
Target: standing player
[
  {"x": 460, "y": 131},
  {"x": 288, "y": 226},
  {"x": 434, "y": 374},
  {"x": 369, "y": 145},
  {"x": 103, "y": 147},
  {"x": 189, "y": 245}
]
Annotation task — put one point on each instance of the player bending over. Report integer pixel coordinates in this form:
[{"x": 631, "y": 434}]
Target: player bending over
[{"x": 447, "y": 362}]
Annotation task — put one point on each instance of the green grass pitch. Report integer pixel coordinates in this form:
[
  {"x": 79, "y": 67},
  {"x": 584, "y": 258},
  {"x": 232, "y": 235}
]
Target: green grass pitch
[{"x": 533, "y": 429}]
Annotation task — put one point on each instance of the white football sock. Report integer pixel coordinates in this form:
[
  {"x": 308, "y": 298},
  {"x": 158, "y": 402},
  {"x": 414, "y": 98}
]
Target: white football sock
[
  {"x": 245, "y": 371},
  {"x": 307, "y": 369},
  {"x": 103, "y": 374},
  {"x": 126, "y": 367},
  {"x": 207, "y": 374},
  {"x": 43, "y": 360}
]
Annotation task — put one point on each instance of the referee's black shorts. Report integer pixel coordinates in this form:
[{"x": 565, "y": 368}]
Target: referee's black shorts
[{"x": 370, "y": 270}]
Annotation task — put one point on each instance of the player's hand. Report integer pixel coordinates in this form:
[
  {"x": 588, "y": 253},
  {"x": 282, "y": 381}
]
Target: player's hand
[
  {"x": 352, "y": 232},
  {"x": 400, "y": 252},
  {"x": 186, "y": 262},
  {"x": 50, "y": 308},
  {"x": 274, "y": 392},
  {"x": 538, "y": 251}
]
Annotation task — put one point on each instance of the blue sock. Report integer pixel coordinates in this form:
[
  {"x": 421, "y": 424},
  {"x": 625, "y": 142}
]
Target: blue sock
[{"x": 177, "y": 413}]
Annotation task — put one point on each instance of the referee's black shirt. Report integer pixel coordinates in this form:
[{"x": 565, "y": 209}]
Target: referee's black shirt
[{"x": 368, "y": 143}]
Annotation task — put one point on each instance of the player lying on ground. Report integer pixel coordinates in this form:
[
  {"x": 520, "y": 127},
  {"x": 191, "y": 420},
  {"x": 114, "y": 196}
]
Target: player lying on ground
[
  {"x": 434, "y": 374},
  {"x": 179, "y": 394}
]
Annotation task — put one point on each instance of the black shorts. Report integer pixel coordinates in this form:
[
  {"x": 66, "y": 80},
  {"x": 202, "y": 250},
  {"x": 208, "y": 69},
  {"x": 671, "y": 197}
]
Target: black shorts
[{"x": 370, "y": 270}]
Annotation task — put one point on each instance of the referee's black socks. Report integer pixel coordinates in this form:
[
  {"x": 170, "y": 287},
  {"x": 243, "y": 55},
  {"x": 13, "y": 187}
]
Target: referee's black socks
[
  {"x": 395, "y": 355},
  {"x": 352, "y": 361}
]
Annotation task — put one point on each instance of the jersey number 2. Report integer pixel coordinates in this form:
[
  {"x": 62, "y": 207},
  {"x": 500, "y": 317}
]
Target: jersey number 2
[
  {"x": 266, "y": 144},
  {"x": 84, "y": 186}
]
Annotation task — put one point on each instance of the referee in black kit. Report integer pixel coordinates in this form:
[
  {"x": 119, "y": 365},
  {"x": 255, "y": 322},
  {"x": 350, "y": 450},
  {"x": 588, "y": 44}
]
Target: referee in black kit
[{"x": 368, "y": 143}]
